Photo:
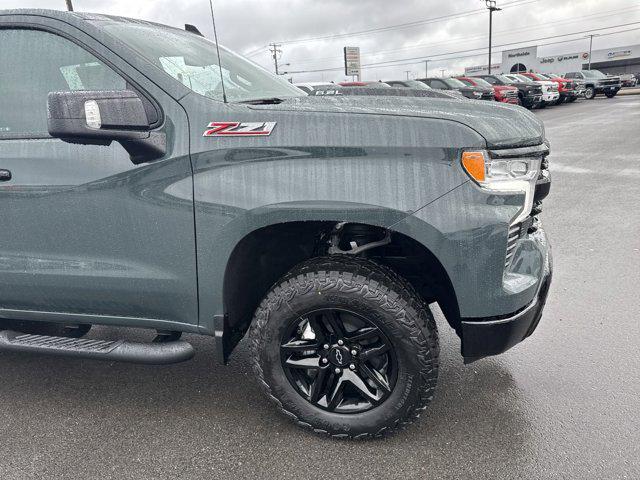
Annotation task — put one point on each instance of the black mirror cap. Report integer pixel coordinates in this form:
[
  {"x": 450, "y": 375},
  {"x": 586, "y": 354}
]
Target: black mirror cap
[{"x": 114, "y": 115}]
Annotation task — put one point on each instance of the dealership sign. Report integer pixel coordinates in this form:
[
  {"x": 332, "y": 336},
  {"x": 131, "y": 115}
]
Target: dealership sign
[
  {"x": 619, "y": 53},
  {"x": 560, "y": 58},
  {"x": 352, "y": 61},
  {"x": 481, "y": 68},
  {"x": 526, "y": 55}
]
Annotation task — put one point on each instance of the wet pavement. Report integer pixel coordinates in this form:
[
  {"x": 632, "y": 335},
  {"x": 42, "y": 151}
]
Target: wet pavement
[{"x": 564, "y": 404}]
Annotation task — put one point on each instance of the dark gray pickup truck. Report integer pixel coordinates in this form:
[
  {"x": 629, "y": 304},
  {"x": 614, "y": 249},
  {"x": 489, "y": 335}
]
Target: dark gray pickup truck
[
  {"x": 595, "y": 82},
  {"x": 145, "y": 184}
]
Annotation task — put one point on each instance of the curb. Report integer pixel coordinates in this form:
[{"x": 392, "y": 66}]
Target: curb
[{"x": 629, "y": 91}]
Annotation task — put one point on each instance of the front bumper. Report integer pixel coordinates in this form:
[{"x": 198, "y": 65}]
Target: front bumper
[
  {"x": 484, "y": 337},
  {"x": 531, "y": 99},
  {"x": 607, "y": 88},
  {"x": 550, "y": 96}
]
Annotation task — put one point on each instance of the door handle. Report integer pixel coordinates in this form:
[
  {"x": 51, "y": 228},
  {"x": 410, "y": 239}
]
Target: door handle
[{"x": 5, "y": 175}]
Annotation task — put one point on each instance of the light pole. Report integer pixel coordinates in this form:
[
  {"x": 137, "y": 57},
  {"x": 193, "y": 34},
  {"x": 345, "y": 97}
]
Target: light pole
[
  {"x": 69, "y": 6},
  {"x": 491, "y": 6},
  {"x": 426, "y": 68},
  {"x": 442, "y": 70},
  {"x": 407, "y": 72},
  {"x": 590, "y": 37},
  {"x": 275, "y": 51}
]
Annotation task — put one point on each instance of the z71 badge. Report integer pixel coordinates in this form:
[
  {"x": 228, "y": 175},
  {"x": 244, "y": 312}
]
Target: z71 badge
[{"x": 239, "y": 129}]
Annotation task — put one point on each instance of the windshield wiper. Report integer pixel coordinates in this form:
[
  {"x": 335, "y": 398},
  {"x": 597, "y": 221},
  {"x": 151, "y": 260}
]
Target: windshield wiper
[{"x": 263, "y": 101}]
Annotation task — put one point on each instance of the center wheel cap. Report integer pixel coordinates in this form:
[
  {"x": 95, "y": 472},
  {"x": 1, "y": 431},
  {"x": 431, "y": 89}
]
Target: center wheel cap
[{"x": 340, "y": 356}]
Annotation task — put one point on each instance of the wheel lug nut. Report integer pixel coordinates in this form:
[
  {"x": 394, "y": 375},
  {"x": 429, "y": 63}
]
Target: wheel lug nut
[
  {"x": 340, "y": 342},
  {"x": 326, "y": 346},
  {"x": 324, "y": 360},
  {"x": 337, "y": 370},
  {"x": 352, "y": 366},
  {"x": 354, "y": 352}
]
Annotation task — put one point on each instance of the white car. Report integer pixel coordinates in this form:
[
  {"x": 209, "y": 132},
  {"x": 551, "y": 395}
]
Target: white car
[
  {"x": 550, "y": 94},
  {"x": 309, "y": 87}
]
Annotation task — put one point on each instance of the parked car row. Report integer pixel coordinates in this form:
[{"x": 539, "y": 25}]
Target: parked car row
[
  {"x": 568, "y": 90},
  {"x": 529, "y": 89}
]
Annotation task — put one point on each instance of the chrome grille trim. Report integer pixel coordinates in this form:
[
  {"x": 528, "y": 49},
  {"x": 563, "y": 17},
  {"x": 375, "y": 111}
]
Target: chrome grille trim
[
  {"x": 535, "y": 151},
  {"x": 512, "y": 238}
]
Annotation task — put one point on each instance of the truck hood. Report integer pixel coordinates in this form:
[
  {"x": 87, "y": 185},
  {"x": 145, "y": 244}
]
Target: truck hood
[{"x": 502, "y": 125}]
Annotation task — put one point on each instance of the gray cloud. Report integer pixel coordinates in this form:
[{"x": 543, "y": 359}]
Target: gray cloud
[{"x": 249, "y": 25}]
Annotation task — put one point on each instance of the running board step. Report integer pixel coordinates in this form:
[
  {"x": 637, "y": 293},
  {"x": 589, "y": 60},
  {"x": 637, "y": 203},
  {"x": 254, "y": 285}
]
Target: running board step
[{"x": 117, "y": 351}]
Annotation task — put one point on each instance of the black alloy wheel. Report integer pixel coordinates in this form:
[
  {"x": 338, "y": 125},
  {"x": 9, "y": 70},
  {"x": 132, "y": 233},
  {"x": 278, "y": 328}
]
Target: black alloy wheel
[
  {"x": 339, "y": 361},
  {"x": 346, "y": 347}
]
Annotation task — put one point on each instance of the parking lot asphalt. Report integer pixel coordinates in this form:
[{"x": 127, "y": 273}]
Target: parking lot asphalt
[{"x": 563, "y": 404}]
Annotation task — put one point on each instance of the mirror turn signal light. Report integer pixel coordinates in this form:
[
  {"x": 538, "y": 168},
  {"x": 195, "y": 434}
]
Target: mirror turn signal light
[{"x": 474, "y": 164}]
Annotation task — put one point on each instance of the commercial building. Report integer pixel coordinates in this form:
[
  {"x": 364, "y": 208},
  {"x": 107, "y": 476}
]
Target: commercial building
[{"x": 613, "y": 60}]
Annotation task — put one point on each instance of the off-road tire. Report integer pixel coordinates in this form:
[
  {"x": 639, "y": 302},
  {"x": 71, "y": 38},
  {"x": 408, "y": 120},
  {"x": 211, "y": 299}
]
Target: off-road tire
[{"x": 372, "y": 290}]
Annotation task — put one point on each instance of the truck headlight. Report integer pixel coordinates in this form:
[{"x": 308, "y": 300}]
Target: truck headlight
[{"x": 507, "y": 176}]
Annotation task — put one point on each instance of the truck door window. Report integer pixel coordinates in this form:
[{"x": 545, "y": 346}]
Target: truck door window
[{"x": 35, "y": 63}]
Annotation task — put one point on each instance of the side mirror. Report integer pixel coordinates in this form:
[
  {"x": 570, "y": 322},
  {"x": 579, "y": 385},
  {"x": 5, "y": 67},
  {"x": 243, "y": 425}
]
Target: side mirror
[{"x": 98, "y": 118}]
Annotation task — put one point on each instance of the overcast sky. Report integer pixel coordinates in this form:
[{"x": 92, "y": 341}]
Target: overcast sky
[{"x": 247, "y": 26}]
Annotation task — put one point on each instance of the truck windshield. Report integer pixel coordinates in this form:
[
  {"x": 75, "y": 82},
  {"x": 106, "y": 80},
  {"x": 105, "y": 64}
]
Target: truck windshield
[
  {"x": 193, "y": 61},
  {"x": 593, "y": 74},
  {"x": 453, "y": 82},
  {"x": 521, "y": 78},
  {"x": 504, "y": 80},
  {"x": 415, "y": 84},
  {"x": 482, "y": 83}
]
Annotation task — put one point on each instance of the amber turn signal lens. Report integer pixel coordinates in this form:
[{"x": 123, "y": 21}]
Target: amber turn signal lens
[{"x": 473, "y": 163}]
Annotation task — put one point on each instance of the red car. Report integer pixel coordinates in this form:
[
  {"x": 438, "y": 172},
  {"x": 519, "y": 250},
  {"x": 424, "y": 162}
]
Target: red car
[
  {"x": 566, "y": 88},
  {"x": 503, "y": 93}
]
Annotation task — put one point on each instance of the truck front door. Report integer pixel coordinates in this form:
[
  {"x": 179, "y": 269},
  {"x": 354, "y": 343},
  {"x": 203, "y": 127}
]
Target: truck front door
[{"x": 85, "y": 234}]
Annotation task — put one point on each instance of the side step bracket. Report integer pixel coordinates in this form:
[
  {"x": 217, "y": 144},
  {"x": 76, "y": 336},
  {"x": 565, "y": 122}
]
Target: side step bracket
[{"x": 161, "y": 353}]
